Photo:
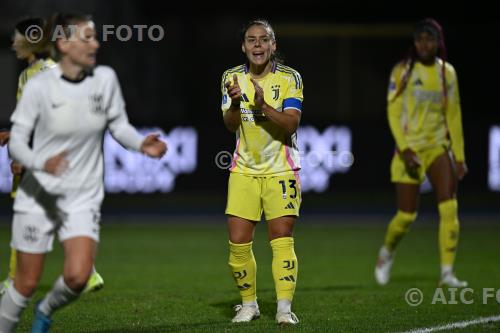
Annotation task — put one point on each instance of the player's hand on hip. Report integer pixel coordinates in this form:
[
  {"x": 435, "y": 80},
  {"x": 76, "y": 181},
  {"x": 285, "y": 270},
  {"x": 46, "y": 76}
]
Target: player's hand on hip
[
  {"x": 259, "y": 94},
  {"x": 461, "y": 170},
  {"x": 234, "y": 91},
  {"x": 153, "y": 146},
  {"x": 58, "y": 164},
  {"x": 412, "y": 162},
  {"x": 4, "y": 138},
  {"x": 16, "y": 168}
]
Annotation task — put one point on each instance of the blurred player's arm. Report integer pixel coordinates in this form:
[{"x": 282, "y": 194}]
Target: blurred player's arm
[
  {"x": 23, "y": 121},
  {"x": 126, "y": 134},
  {"x": 394, "y": 111},
  {"x": 395, "y": 108},
  {"x": 4, "y": 137},
  {"x": 454, "y": 122},
  {"x": 231, "y": 108}
]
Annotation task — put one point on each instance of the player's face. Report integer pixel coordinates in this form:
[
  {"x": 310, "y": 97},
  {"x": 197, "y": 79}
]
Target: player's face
[
  {"x": 258, "y": 45},
  {"x": 17, "y": 45},
  {"x": 426, "y": 46},
  {"x": 81, "y": 48}
]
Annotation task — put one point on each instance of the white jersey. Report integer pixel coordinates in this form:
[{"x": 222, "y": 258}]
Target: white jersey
[{"x": 62, "y": 115}]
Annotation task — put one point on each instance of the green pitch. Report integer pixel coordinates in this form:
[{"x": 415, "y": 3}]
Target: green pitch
[{"x": 174, "y": 278}]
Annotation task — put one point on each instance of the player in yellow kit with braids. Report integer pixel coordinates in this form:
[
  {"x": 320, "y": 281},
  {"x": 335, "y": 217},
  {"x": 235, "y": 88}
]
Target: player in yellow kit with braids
[
  {"x": 262, "y": 104},
  {"x": 426, "y": 122},
  {"x": 27, "y": 46}
]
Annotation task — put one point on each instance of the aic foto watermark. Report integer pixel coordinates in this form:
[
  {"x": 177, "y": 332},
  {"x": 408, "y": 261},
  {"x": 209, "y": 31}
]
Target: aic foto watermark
[
  {"x": 226, "y": 160},
  {"x": 122, "y": 33},
  {"x": 415, "y": 296}
]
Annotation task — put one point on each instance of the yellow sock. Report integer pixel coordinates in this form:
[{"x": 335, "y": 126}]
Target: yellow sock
[
  {"x": 13, "y": 263},
  {"x": 399, "y": 226},
  {"x": 16, "y": 180},
  {"x": 285, "y": 267},
  {"x": 448, "y": 231},
  {"x": 244, "y": 268}
]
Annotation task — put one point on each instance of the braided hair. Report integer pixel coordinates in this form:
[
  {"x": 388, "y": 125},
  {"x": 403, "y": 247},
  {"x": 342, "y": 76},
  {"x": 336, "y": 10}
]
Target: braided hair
[{"x": 433, "y": 28}]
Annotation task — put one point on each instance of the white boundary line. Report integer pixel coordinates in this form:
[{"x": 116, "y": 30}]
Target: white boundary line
[{"x": 458, "y": 324}]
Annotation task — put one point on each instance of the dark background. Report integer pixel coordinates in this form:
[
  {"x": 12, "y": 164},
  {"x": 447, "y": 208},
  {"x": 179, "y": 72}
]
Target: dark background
[{"x": 344, "y": 52}]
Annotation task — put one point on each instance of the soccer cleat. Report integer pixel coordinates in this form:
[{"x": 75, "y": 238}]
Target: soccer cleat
[
  {"x": 5, "y": 285},
  {"x": 383, "y": 267},
  {"x": 286, "y": 318},
  {"x": 245, "y": 313},
  {"x": 95, "y": 283},
  {"x": 450, "y": 280},
  {"x": 42, "y": 322}
]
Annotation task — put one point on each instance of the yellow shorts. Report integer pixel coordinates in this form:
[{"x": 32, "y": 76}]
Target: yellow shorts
[
  {"x": 399, "y": 174},
  {"x": 275, "y": 195}
]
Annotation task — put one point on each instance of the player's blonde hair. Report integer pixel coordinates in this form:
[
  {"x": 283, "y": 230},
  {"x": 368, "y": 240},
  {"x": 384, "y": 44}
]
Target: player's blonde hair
[{"x": 33, "y": 40}]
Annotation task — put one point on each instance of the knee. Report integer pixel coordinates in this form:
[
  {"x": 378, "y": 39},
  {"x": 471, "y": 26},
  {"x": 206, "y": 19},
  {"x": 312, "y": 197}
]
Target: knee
[
  {"x": 240, "y": 237},
  {"x": 280, "y": 233},
  {"x": 76, "y": 279},
  {"x": 26, "y": 284}
]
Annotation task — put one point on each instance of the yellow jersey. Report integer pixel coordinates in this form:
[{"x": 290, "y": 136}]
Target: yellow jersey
[
  {"x": 419, "y": 116},
  {"x": 27, "y": 73},
  {"x": 263, "y": 147}
]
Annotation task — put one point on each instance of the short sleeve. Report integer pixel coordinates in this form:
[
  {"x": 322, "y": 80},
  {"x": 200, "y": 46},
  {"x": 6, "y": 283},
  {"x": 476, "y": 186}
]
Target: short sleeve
[{"x": 294, "y": 94}]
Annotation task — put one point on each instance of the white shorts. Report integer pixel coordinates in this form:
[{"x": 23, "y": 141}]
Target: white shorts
[{"x": 34, "y": 233}]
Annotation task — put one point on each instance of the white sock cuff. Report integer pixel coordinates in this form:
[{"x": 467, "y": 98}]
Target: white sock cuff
[
  {"x": 446, "y": 269},
  {"x": 17, "y": 298},
  {"x": 61, "y": 284},
  {"x": 284, "y": 305},
  {"x": 251, "y": 303},
  {"x": 385, "y": 253}
]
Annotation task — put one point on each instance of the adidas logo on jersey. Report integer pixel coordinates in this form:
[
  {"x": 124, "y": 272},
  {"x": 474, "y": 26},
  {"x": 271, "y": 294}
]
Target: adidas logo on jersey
[
  {"x": 290, "y": 206},
  {"x": 244, "y": 98},
  {"x": 288, "y": 278}
]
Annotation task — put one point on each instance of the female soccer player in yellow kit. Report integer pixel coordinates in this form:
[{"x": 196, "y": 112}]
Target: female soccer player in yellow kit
[
  {"x": 425, "y": 119},
  {"x": 29, "y": 45},
  {"x": 262, "y": 104}
]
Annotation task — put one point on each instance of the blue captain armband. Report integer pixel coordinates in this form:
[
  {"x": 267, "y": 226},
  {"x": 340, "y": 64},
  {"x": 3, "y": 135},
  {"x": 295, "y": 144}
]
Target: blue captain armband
[{"x": 292, "y": 103}]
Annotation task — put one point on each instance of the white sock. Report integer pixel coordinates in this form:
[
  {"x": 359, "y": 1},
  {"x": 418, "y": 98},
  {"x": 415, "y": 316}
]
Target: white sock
[
  {"x": 446, "y": 269},
  {"x": 284, "y": 306},
  {"x": 59, "y": 296},
  {"x": 384, "y": 253},
  {"x": 11, "y": 307},
  {"x": 252, "y": 303}
]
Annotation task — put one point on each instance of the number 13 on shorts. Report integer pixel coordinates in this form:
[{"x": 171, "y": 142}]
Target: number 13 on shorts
[
  {"x": 292, "y": 184},
  {"x": 282, "y": 196}
]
